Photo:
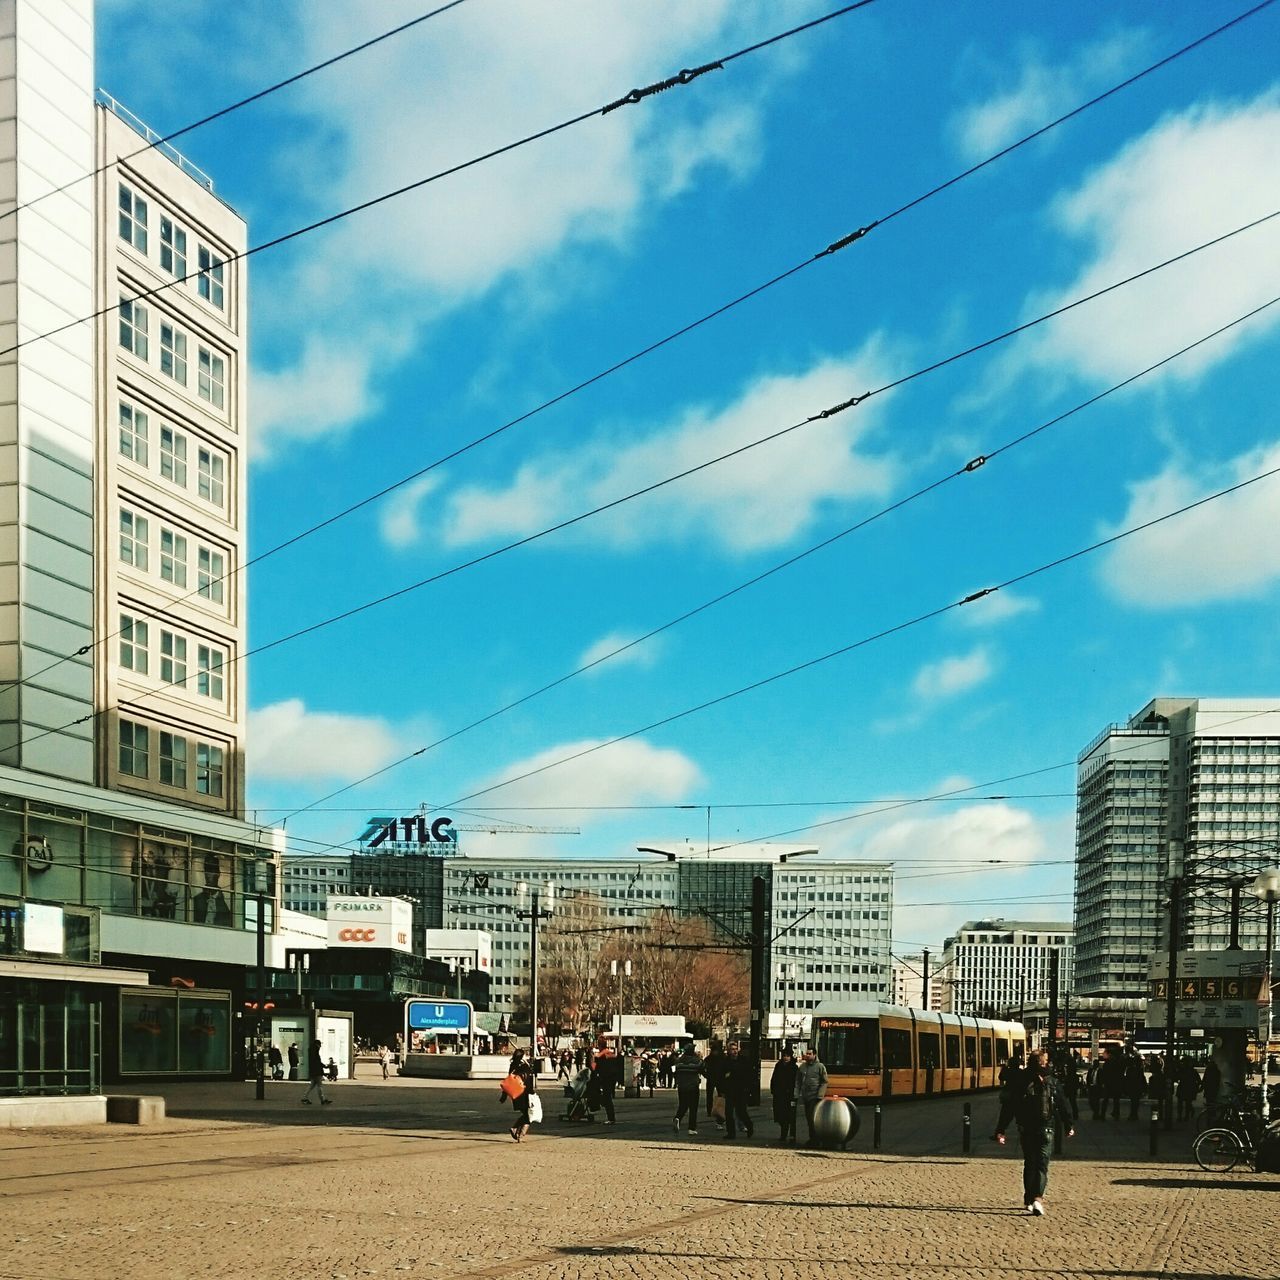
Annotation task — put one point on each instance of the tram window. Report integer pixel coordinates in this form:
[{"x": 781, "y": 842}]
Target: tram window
[
  {"x": 897, "y": 1049},
  {"x": 986, "y": 1051},
  {"x": 930, "y": 1050},
  {"x": 1002, "y": 1051},
  {"x": 970, "y": 1053},
  {"x": 854, "y": 1049},
  {"x": 953, "y": 1051}
]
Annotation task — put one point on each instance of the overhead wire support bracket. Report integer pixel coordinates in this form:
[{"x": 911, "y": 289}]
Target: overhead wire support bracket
[
  {"x": 661, "y": 86},
  {"x": 836, "y": 245},
  {"x": 974, "y": 463},
  {"x": 850, "y": 403}
]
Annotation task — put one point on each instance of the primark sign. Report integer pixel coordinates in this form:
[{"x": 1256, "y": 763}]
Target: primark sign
[{"x": 415, "y": 833}]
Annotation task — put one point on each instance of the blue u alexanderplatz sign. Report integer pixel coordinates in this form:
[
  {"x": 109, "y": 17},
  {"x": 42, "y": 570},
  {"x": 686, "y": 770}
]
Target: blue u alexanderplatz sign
[{"x": 452, "y": 1016}]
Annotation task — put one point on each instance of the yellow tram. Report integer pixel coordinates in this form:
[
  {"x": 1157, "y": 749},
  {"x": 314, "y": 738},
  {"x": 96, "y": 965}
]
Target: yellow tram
[{"x": 879, "y": 1051}]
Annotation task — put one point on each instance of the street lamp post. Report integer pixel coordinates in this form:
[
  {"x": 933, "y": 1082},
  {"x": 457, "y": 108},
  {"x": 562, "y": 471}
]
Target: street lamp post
[
  {"x": 1266, "y": 887},
  {"x": 620, "y": 970},
  {"x": 535, "y": 913},
  {"x": 786, "y": 972}
]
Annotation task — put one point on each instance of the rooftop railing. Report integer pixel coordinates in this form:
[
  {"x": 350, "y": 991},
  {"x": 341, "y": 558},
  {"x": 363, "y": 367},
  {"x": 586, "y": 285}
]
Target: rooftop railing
[{"x": 154, "y": 139}]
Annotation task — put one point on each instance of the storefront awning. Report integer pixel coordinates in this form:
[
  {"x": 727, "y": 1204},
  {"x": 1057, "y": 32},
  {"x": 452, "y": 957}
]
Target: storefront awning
[{"x": 87, "y": 973}]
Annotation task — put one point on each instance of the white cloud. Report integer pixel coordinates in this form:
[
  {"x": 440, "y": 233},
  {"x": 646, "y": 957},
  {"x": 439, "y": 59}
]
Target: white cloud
[
  {"x": 949, "y": 677},
  {"x": 643, "y": 655},
  {"x": 466, "y": 84},
  {"x": 1228, "y": 549},
  {"x": 631, "y": 772},
  {"x": 287, "y": 742},
  {"x": 763, "y": 498},
  {"x": 998, "y": 608},
  {"x": 399, "y": 521},
  {"x": 1043, "y": 92},
  {"x": 1191, "y": 178}
]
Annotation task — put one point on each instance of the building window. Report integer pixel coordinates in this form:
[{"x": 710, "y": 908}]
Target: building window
[
  {"x": 173, "y": 658},
  {"x": 173, "y": 760},
  {"x": 212, "y": 472},
  {"x": 133, "y": 433},
  {"x": 209, "y": 663},
  {"x": 173, "y": 248},
  {"x": 212, "y": 381},
  {"x": 133, "y": 539},
  {"x": 133, "y": 749},
  {"x": 173, "y": 353},
  {"x": 133, "y": 644},
  {"x": 173, "y": 557},
  {"x": 211, "y": 568},
  {"x": 209, "y": 769},
  {"x": 173, "y": 456},
  {"x": 133, "y": 327},
  {"x": 133, "y": 219},
  {"x": 209, "y": 281}
]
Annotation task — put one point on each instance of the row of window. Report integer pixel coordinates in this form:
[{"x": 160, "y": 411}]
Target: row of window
[
  {"x": 174, "y": 550},
  {"x": 135, "y": 337},
  {"x": 134, "y": 230},
  {"x": 174, "y": 757},
  {"x": 211, "y": 464},
  {"x": 175, "y": 650}
]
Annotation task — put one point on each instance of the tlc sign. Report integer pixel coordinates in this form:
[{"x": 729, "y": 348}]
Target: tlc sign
[{"x": 415, "y": 829}]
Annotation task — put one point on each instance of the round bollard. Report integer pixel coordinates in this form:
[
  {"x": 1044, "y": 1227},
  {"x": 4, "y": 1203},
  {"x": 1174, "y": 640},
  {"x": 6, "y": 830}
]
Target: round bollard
[{"x": 835, "y": 1122}]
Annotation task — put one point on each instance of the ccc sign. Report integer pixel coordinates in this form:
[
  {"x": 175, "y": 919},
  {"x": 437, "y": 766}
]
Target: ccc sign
[{"x": 357, "y": 935}]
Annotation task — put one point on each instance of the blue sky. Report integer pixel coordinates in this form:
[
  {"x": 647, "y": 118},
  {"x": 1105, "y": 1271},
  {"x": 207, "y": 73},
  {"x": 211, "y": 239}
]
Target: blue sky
[{"x": 399, "y": 335}]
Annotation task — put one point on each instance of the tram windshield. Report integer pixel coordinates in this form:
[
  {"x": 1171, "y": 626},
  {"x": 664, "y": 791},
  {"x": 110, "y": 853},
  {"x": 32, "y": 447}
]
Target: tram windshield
[{"x": 849, "y": 1044}]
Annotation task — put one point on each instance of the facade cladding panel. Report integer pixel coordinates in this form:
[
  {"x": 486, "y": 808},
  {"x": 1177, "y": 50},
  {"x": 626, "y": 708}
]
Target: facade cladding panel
[{"x": 1187, "y": 788}]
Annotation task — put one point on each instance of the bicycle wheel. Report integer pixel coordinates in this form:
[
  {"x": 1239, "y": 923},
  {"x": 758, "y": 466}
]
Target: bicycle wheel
[{"x": 1217, "y": 1150}]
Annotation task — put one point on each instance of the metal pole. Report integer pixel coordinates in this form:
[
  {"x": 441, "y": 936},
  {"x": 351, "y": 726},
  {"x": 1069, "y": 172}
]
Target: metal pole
[
  {"x": 261, "y": 1090},
  {"x": 533, "y": 979},
  {"x": 924, "y": 990},
  {"x": 1053, "y": 1002},
  {"x": 1171, "y": 1008},
  {"x": 1264, "y": 1022}
]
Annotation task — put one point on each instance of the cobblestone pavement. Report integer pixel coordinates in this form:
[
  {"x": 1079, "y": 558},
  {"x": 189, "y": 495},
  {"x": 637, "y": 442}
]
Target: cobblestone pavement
[{"x": 422, "y": 1180}]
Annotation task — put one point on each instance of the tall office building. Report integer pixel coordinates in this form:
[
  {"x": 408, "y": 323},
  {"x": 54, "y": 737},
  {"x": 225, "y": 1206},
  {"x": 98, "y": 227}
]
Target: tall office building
[
  {"x": 829, "y": 920},
  {"x": 1188, "y": 787},
  {"x": 129, "y": 881},
  {"x": 992, "y": 968}
]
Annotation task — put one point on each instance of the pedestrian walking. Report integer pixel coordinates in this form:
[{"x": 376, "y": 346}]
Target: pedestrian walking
[
  {"x": 602, "y": 1083},
  {"x": 1093, "y": 1085},
  {"x": 735, "y": 1084},
  {"x": 782, "y": 1089},
  {"x": 316, "y": 1074},
  {"x": 1187, "y": 1083},
  {"x": 293, "y": 1062},
  {"x": 811, "y": 1088},
  {"x": 688, "y": 1078},
  {"x": 1038, "y": 1102},
  {"x": 1135, "y": 1082},
  {"x": 384, "y": 1061},
  {"x": 521, "y": 1087},
  {"x": 713, "y": 1072},
  {"x": 1113, "y": 1081},
  {"x": 1070, "y": 1082},
  {"x": 275, "y": 1059}
]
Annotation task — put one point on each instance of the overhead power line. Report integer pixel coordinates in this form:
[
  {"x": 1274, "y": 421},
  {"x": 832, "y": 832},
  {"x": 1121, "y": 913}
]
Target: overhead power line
[
  {"x": 167, "y": 138},
  {"x": 871, "y": 639},
  {"x": 684, "y": 330},
  {"x": 417, "y": 185}
]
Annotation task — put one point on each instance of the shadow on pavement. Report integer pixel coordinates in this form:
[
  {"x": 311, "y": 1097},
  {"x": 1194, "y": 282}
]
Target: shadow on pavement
[
  {"x": 866, "y": 1204},
  {"x": 1216, "y": 1184}
]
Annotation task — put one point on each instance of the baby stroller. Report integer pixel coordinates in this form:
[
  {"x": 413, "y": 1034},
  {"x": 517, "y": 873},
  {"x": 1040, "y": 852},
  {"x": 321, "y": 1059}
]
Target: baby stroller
[{"x": 576, "y": 1104}]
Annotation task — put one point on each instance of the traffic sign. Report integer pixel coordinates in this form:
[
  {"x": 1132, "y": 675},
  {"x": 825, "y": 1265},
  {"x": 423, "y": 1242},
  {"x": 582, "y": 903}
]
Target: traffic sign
[{"x": 438, "y": 1015}]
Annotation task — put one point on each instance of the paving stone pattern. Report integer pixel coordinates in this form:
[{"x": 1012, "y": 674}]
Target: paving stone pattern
[{"x": 419, "y": 1179}]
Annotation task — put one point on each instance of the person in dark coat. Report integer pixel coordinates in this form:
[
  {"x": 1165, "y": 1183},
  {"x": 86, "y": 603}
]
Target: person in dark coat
[
  {"x": 1038, "y": 1102},
  {"x": 1186, "y": 1082},
  {"x": 1135, "y": 1083},
  {"x": 293, "y": 1061},
  {"x": 713, "y": 1072},
  {"x": 736, "y": 1087},
  {"x": 316, "y": 1074},
  {"x": 782, "y": 1088},
  {"x": 1113, "y": 1075},
  {"x": 688, "y": 1077}
]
